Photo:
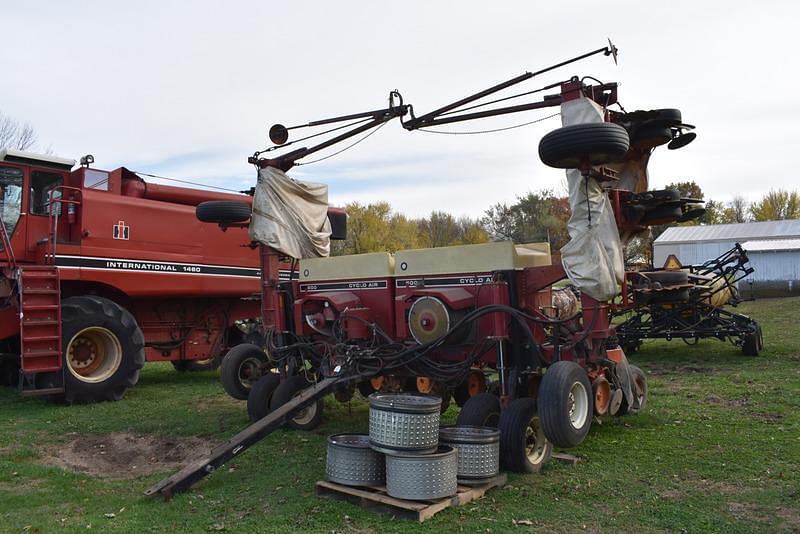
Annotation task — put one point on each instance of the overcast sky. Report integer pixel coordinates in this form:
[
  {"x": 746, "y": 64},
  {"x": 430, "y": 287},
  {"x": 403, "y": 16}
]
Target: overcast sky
[{"x": 190, "y": 89}]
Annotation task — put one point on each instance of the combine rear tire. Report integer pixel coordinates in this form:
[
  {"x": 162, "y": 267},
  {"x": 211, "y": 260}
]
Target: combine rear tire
[
  {"x": 566, "y": 404},
  {"x": 103, "y": 349},
  {"x": 482, "y": 409},
  {"x": 593, "y": 143},
  {"x": 309, "y": 417},
  {"x": 191, "y": 366},
  {"x": 523, "y": 445},
  {"x": 223, "y": 211},
  {"x": 639, "y": 390},
  {"x": 241, "y": 368},
  {"x": 261, "y": 396}
]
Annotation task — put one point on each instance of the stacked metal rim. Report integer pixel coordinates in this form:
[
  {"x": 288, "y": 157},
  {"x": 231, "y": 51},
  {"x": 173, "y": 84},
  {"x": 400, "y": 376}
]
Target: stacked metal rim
[
  {"x": 422, "y": 477},
  {"x": 404, "y": 423},
  {"x": 478, "y": 451},
  {"x": 352, "y": 462}
]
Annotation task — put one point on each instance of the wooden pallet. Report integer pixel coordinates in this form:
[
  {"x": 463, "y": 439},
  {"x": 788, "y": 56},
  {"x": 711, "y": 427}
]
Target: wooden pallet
[{"x": 376, "y": 499}]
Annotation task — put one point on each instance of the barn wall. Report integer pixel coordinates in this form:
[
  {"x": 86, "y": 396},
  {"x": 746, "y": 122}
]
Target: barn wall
[{"x": 777, "y": 274}]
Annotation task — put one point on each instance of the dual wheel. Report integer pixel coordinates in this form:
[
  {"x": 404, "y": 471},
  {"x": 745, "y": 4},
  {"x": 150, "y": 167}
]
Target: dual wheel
[
  {"x": 560, "y": 415},
  {"x": 269, "y": 393}
]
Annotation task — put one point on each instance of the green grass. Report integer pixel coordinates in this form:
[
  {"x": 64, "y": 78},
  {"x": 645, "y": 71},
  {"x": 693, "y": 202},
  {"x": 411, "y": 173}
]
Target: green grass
[{"x": 717, "y": 449}]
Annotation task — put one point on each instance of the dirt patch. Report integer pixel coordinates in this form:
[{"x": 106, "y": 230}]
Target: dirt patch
[
  {"x": 789, "y": 518},
  {"x": 122, "y": 455},
  {"x": 731, "y": 403}
]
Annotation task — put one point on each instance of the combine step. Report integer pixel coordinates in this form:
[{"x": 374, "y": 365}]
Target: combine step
[{"x": 40, "y": 324}]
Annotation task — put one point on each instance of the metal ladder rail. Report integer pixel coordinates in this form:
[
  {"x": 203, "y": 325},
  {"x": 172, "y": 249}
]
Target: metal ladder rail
[{"x": 195, "y": 471}]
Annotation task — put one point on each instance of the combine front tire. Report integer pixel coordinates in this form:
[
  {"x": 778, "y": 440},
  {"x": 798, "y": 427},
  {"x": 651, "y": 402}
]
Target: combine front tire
[
  {"x": 103, "y": 349},
  {"x": 208, "y": 364},
  {"x": 309, "y": 417},
  {"x": 523, "y": 445},
  {"x": 241, "y": 367},
  {"x": 566, "y": 404}
]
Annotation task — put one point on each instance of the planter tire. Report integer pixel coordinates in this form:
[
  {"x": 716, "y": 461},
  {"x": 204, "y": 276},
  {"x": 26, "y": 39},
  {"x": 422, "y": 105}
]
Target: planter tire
[
  {"x": 103, "y": 349},
  {"x": 223, "y": 211},
  {"x": 524, "y": 448},
  {"x": 566, "y": 404},
  {"x": 595, "y": 143},
  {"x": 482, "y": 409},
  {"x": 307, "y": 419},
  {"x": 639, "y": 390},
  {"x": 260, "y": 397},
  {"x": 241, "y": 368}
]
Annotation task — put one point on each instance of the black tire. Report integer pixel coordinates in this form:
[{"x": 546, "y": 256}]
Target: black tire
[
  {"x": 260, "y": 397},
  {"x": 365, "y": 388},
  {"x": 112, "y": 343},
  {"x": 481, "y": 410},
  {"x": 523, "y": 445},
  {"x": 753, "y": 342},
  {"x": 461, "y": 393},
  {"x": 191, "y": 366},
  {"x": 639, "y": 390},
  {"x": 241, "y": 367},
  {"x": 593, "y": 143},
  {"x": 662, "y": 215},
  {"x": 307, "y": 419},
  {"x": 338, "y": 220},
  {"x": 566, "y": 404},
  {"x": 223, "y": 211},
  {"x": 9, "y": 371},
  {"x": 650, "y": 136}
]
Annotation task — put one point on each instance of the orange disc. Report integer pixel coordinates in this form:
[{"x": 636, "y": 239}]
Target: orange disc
[
  {"x": 602, "y": 395},
  {"x": 424, "y": 384}
]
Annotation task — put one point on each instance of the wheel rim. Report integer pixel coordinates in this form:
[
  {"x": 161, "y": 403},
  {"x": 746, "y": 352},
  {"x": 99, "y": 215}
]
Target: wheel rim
[
  {"x": 249, "y": 372},
  {"x": 476, "y": 383},
  {"x": 424, "y": 384},
  {"x": 602, "y": 396},
  {"x": 578, "y": 404},
  {"x": 535, "y": 442},
  {"x": 306, "y": 415},
  {"x": 94, "y": 354}
]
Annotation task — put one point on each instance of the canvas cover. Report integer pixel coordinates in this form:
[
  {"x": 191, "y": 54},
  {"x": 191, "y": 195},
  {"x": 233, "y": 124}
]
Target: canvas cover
[
  {"x": 593, "y": 257},
  {"x": 291, "y": 216}
]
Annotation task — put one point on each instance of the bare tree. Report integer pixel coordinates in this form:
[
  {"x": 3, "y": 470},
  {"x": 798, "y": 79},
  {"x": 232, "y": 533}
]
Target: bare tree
[
  {"x": 14, "y": 134},
  {"x": 739, "y": 209}
]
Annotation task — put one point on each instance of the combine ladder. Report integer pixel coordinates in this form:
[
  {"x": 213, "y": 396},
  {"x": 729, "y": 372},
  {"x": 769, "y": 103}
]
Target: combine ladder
[
  {"x": 40, "y": 324},
  {"x": 192, "y": 473}
]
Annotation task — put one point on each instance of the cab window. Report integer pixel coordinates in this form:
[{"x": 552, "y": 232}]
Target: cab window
[
  {"x": 10, "y": 197},
  {"x": 42, "y": 184}
]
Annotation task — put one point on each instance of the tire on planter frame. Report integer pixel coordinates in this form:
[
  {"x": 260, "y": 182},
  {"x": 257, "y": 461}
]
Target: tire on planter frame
[
  {"x": 103, "y": 349},
  {"x": 524, "y": 448},
  {"x": 307, "y": 419},
  {"x": 593, "y": 143},
  {"x": 566, "y": 404},
  {"x": 223, "y": 211},
  {"x": 753, "y": 342},
  {"x": 260, "y": 397},
  {"x": 241, "y": 368},
  {"x": 482, "y": 409}
]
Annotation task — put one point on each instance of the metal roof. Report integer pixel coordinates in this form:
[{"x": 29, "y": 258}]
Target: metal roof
[
  {"x": 769, "y": 245},
  {"x": 731, "y": 232}
]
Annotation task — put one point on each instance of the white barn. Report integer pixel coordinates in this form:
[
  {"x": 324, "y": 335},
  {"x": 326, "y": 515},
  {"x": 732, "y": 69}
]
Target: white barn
[{"x": 772, "y": 246}]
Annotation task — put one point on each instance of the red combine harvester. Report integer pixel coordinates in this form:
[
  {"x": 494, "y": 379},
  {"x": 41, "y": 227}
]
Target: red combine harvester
[
  {"x": 101, "y": 271},
  {"x": 442, "y": 321}
]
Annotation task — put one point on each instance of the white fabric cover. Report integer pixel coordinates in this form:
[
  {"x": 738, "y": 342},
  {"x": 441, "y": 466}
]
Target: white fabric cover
[
  {"x": 593, "y": 257},
  {"x": 291, "y": 216}
]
